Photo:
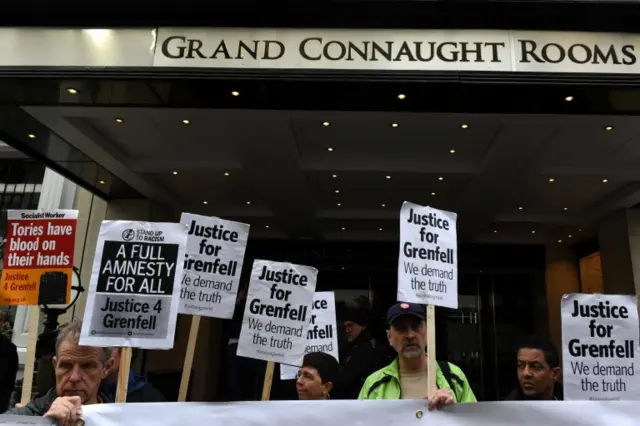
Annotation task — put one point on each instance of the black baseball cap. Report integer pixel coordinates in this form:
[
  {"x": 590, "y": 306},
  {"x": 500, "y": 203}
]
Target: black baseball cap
[{"x": 404, "y": 308}]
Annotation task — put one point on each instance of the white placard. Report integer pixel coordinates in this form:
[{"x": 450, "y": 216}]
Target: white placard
[
  {"x": 428, "y": 261},
  {"x": 370, "y": 413},
  {"x": 134, "y": 292},
  {"x": 599, "y": 347},
  {"x": 322, "y": 335},
  {"x": 278, "y": 310},
  {"x": 213, "y": 264}
]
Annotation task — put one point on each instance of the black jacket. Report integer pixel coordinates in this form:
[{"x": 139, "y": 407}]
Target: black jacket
[
  {"x": 517, "y": 395},
  {"x": 8, "y": 371},
  {"x": 361, "y": 360},
  {"x": 40, "y": 405}
]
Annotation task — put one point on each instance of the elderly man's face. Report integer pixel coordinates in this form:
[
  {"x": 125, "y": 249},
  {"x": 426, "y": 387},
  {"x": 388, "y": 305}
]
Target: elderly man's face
[
  {"x": 79, "y": 371},
  {"x": 407, "y": 336}
]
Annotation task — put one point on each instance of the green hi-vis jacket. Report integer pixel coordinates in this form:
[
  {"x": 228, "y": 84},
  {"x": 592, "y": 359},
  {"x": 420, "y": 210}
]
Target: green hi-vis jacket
[{"x": 385, "y": 383}]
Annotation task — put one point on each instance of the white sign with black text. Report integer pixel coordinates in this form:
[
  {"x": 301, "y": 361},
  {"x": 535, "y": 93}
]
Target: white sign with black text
[
  {"x": 428, "y": 261},
  {"x": 277, "y": 313},
  {"x": 134, "y": 292},
  {"x": 321, "y": 335},
  {"x": 398, "y": 50},
  {"x": 213, "y": 264},
  {"x": 599, "y": 346}
]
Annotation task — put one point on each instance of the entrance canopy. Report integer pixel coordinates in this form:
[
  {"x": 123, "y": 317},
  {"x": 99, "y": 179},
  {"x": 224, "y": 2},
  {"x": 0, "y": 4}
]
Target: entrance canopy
[{"x": 322, "y": 134}]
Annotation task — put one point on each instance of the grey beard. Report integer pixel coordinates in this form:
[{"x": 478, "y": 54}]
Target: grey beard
[{"x": 412, "y": 352}]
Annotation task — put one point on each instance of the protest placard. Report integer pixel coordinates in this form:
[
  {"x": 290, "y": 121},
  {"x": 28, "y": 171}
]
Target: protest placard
[
  {"x": 38, "y": 257},
  {"x": 599, "y": 347},
  {"x": 278, "y": 310},
  {"x": 321, "y": 335},
  {"x": 134, "y": 293},
  {"x": 213, "y": 264},
  {"x": 428, "y": 261}
]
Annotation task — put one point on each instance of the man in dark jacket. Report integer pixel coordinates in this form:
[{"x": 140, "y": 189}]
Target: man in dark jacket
[
  {"x": 538, "y": 372},
  {"x": 8, "y": 368},
  {"x": 361, "y": 358},
  {"x": 79, "y": 371}
]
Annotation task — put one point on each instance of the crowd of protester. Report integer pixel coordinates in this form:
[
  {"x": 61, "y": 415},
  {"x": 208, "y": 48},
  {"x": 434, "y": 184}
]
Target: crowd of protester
[{"x": 367, "y": 369}]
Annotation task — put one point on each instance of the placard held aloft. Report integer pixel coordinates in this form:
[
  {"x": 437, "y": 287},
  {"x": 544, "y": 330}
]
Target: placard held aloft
[
  {"x": 134, "y": 292},
  {"x": 428, "y": 260}
]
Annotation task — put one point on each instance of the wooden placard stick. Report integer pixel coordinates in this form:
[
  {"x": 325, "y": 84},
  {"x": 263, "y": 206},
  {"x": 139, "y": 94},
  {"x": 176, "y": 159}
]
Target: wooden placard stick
[
  {"x": 431, "y": 350},
  {"x": 188, "y": 358},
  {"x": 30, "y": 361},
  {"x": 123, "y": 375},
  {"x": 268, "y": 381}
]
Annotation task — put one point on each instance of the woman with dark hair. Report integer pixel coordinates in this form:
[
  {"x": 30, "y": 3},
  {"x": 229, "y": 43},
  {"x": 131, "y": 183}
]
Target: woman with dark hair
[{"x": 317, "y": 376}]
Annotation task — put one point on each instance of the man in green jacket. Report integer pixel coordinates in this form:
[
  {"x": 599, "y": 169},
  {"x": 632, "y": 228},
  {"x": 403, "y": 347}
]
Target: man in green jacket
[{"x": 406, "y": 376}]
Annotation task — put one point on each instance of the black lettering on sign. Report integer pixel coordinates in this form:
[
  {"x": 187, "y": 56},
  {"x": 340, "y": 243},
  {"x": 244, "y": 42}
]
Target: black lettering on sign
[
  {"x": 579, "y": 53},
  {"x": 137, "y": 268},
  {"x": 176, "y": 47}
]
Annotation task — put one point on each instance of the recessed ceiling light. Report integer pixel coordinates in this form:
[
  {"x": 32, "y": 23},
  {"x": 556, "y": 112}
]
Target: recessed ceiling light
[
  {"x": 533, "y": 232},
  {"x": 402, "y": 96},
  {"x": 248, "y": 202},
  {"x": 464, "y": 126},
  {"x": 566, "y": 208},
  {"x": 31, "y": 136},
  {"x": 559, "y": 241},
  {"x": 388, "y": 177},
  {"x": 186, "y": 121},
  {"x": 394, "y": 124},
  {"x": 334, "y": 176},
  {"x": 175, "y": 172},
  {"x": 102, "y": 182},
  {"x": 608, "y": 128},
  {"x": 570, "y": 236},
  {"x": 326, "y": 124},
  {"x": 568, "y": 98},
  {"x": 379, "y": 229},
  {"x": 337, "y": 191},
  {"x": 433, "y": 193},
  {"x": 552, "y": 180},
  {"x": 227, "y": 173},
  {"x": 452, "y": 151},
  {"x": 235, "y": 93},
  {"x": 119, "y": 120},
  {"x": 440, "y": 178},
  {"x": 605, "y": 180},
  {"x": 520, "y": 208},
  {"x": 495, "y": 231},
  {"x": 579, "y": 230},
  {"x": 266, "y": 226},
  {"x": 205, "y": 202},
  {"x": 72, "y": 91},
  {"x": 383, "y": 205},
  {"x": 330, "y": 149},
  {"x": 339, "y": 204},
  {"x": 344, "y": 228}
]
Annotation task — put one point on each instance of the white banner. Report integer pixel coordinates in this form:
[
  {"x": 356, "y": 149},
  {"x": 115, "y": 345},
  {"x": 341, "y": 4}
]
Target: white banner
[
  {"x": 398, "y": 50},
  {"x": 599, "y": 344},
  {"x": 212, "y": 267},
  {"x": 277, "y": 313},
  {"x": 322, "y": 335},
  {"x": 134, "y": 292},
  {"x": 370, "y": 413},
  {"x": 428, "y": 261}
]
